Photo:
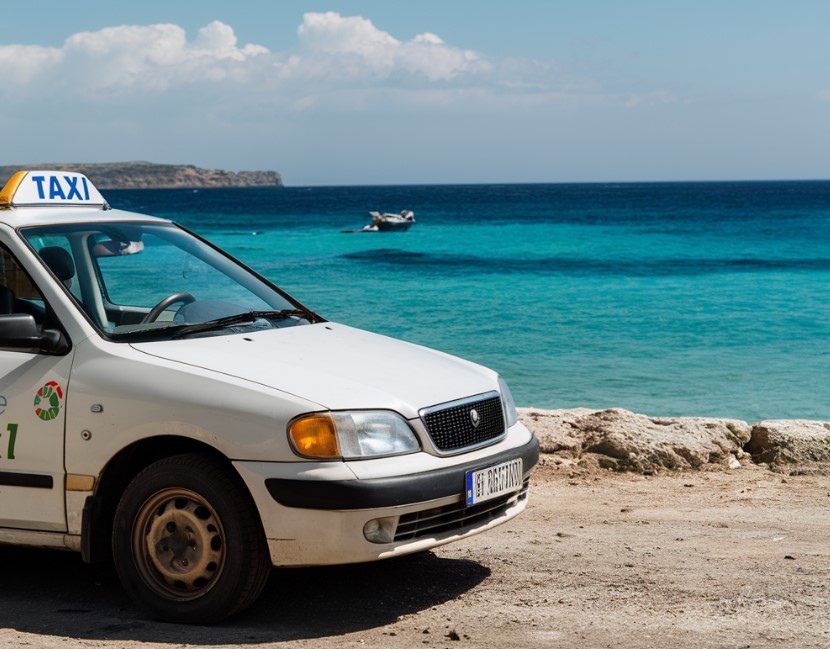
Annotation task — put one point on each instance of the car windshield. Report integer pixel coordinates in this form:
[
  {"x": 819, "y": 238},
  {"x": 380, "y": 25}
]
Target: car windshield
[{"x": 156, "y": 281}]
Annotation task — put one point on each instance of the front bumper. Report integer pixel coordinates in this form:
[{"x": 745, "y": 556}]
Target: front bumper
[
  {"x": 392, "y": 491},
  {"x": 317, "y": 516}
]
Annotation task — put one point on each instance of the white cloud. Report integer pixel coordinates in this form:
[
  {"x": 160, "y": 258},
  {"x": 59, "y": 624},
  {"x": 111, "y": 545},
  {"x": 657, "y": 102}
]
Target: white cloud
[
  {"x": 219, "y": 41},
  {"x": 355, "y": 47},
  {"x": 127, "y": 58},
  {"x": 334, "y": 52},
  {"x": 22, "y": 63},
  {"x": 331, "y": 32}
]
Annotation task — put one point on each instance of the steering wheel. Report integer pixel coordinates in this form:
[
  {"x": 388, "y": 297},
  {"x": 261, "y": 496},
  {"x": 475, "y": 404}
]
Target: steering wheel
[{"x": 157, "y": 310}]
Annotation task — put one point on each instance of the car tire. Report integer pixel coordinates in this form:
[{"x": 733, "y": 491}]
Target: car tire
[{"x": 187, "y": 542}]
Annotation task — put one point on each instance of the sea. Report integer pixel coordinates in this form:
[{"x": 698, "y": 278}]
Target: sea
[{"x": 706, "y": 299}]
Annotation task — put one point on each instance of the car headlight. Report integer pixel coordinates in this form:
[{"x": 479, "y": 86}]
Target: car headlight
[
  {"x": 352, "y": 435},
  {"x": 510, "y": 414}
]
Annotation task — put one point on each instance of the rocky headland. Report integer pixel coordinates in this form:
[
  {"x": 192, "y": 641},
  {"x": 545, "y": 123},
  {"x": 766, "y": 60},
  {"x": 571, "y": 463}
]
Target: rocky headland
[
  {"x": 625, "y": 441},
  {"x": 148, "y": 175}
]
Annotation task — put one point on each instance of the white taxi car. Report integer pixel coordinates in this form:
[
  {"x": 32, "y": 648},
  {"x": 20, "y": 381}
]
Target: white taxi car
[{"x": 164, "y": 406}]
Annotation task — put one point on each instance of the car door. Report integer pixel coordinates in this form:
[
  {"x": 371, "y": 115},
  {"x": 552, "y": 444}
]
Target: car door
[{"x": 33, "y": 398}]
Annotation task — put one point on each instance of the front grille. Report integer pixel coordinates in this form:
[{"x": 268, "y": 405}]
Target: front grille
[
  {"x": 451, "y": 425},
  {"x": 432, "y": 522}
]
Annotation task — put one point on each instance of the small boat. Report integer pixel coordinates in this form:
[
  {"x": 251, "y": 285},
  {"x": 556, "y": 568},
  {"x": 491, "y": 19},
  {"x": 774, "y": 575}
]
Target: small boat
[{"x": 388, "y": 222}]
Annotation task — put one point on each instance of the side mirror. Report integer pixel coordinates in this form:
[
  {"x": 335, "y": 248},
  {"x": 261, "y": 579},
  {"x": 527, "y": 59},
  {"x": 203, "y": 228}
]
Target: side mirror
[{"x": 19, "y": 332}]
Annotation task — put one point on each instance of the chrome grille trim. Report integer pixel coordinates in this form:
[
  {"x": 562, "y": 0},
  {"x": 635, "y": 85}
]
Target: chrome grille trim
[
  {"x": 451, "y": 429},
  {"x": 455, "y": 517}
]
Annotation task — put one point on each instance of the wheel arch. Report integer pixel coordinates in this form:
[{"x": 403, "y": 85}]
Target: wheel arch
[{"x": 99, "y": 508}]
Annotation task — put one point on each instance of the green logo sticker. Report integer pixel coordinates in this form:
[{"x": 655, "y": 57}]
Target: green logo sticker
[{"x": 48, "y": 401}]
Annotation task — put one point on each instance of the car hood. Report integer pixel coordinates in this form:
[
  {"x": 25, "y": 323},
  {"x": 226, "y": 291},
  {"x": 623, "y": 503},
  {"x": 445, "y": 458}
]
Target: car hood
[{"x": 335, "y": 366}]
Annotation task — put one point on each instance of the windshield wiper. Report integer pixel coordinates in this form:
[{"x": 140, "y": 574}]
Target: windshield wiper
[{"x": 239, "y": 318}]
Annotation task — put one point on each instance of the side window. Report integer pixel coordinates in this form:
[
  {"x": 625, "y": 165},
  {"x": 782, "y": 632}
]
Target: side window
[
  {"x": 57, "y": 255},
  {"x": 18, "y": 294}
]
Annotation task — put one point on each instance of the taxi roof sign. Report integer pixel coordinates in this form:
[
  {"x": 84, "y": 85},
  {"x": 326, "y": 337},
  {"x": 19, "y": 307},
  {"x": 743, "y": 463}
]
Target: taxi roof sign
[{"x": 50, "y": 188}]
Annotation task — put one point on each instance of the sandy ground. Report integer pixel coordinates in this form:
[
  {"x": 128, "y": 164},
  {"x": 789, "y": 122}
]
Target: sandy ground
[{"x": 708, "y": 559}]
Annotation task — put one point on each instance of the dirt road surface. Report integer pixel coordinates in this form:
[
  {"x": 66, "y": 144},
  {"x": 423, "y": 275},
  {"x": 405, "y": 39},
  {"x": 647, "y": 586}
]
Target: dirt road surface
[{"x": 706, "y": 559}]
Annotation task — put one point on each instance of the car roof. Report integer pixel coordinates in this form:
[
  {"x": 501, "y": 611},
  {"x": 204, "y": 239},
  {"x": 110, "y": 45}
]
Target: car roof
[{"x": 18, "y": 217}]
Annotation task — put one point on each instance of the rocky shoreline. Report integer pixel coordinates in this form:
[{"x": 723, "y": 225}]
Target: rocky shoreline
[
  {"x": 620, "y": 440},
  {"x": 148, "y": 175}
]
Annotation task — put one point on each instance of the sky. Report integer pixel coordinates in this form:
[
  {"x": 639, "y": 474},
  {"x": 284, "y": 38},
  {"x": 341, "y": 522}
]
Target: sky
[{"x": 354, "y": 92}]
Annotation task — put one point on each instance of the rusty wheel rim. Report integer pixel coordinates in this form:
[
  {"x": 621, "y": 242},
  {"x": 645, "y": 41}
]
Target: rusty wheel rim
[{"x": 178, "y": 544}]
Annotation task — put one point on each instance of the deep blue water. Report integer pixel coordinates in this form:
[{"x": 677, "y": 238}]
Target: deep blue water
[{"x": 706, "y": 299}]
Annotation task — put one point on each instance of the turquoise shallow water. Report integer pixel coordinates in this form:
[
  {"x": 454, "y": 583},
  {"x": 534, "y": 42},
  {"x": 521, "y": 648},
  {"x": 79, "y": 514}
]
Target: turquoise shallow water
[{"x": 706, "y": 299}]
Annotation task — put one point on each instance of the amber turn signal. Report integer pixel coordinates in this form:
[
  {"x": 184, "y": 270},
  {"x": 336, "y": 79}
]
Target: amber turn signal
[{"x": 315, "y": 436}]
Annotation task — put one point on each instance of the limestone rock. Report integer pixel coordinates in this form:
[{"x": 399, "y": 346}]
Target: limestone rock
[
  {"x": 626, "y": 441},
  {"x": 783, "y": 443},
  {"x": 646, "y": 445},
  {"x": 557, "y": 430}
]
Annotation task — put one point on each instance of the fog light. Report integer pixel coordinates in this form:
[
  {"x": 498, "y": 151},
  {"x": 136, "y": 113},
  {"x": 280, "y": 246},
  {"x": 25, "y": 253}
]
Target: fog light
[{"x": 381, "y": 530}]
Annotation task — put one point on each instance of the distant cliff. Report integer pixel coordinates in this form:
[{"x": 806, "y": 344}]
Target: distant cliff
[{"x": 146, "y": 175}]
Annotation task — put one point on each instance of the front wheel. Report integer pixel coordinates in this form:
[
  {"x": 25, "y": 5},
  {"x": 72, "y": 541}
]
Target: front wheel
[{"x": 187, "y": 542}]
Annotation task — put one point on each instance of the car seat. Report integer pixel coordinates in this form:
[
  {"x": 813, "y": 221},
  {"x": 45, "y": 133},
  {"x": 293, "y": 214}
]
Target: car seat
[
  {"x": 6, "y": 300},
  {"x": 59, "y": 262}
]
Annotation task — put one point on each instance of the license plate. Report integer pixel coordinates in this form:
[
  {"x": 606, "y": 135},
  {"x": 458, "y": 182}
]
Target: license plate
[{"x": 494, "y": 481}]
